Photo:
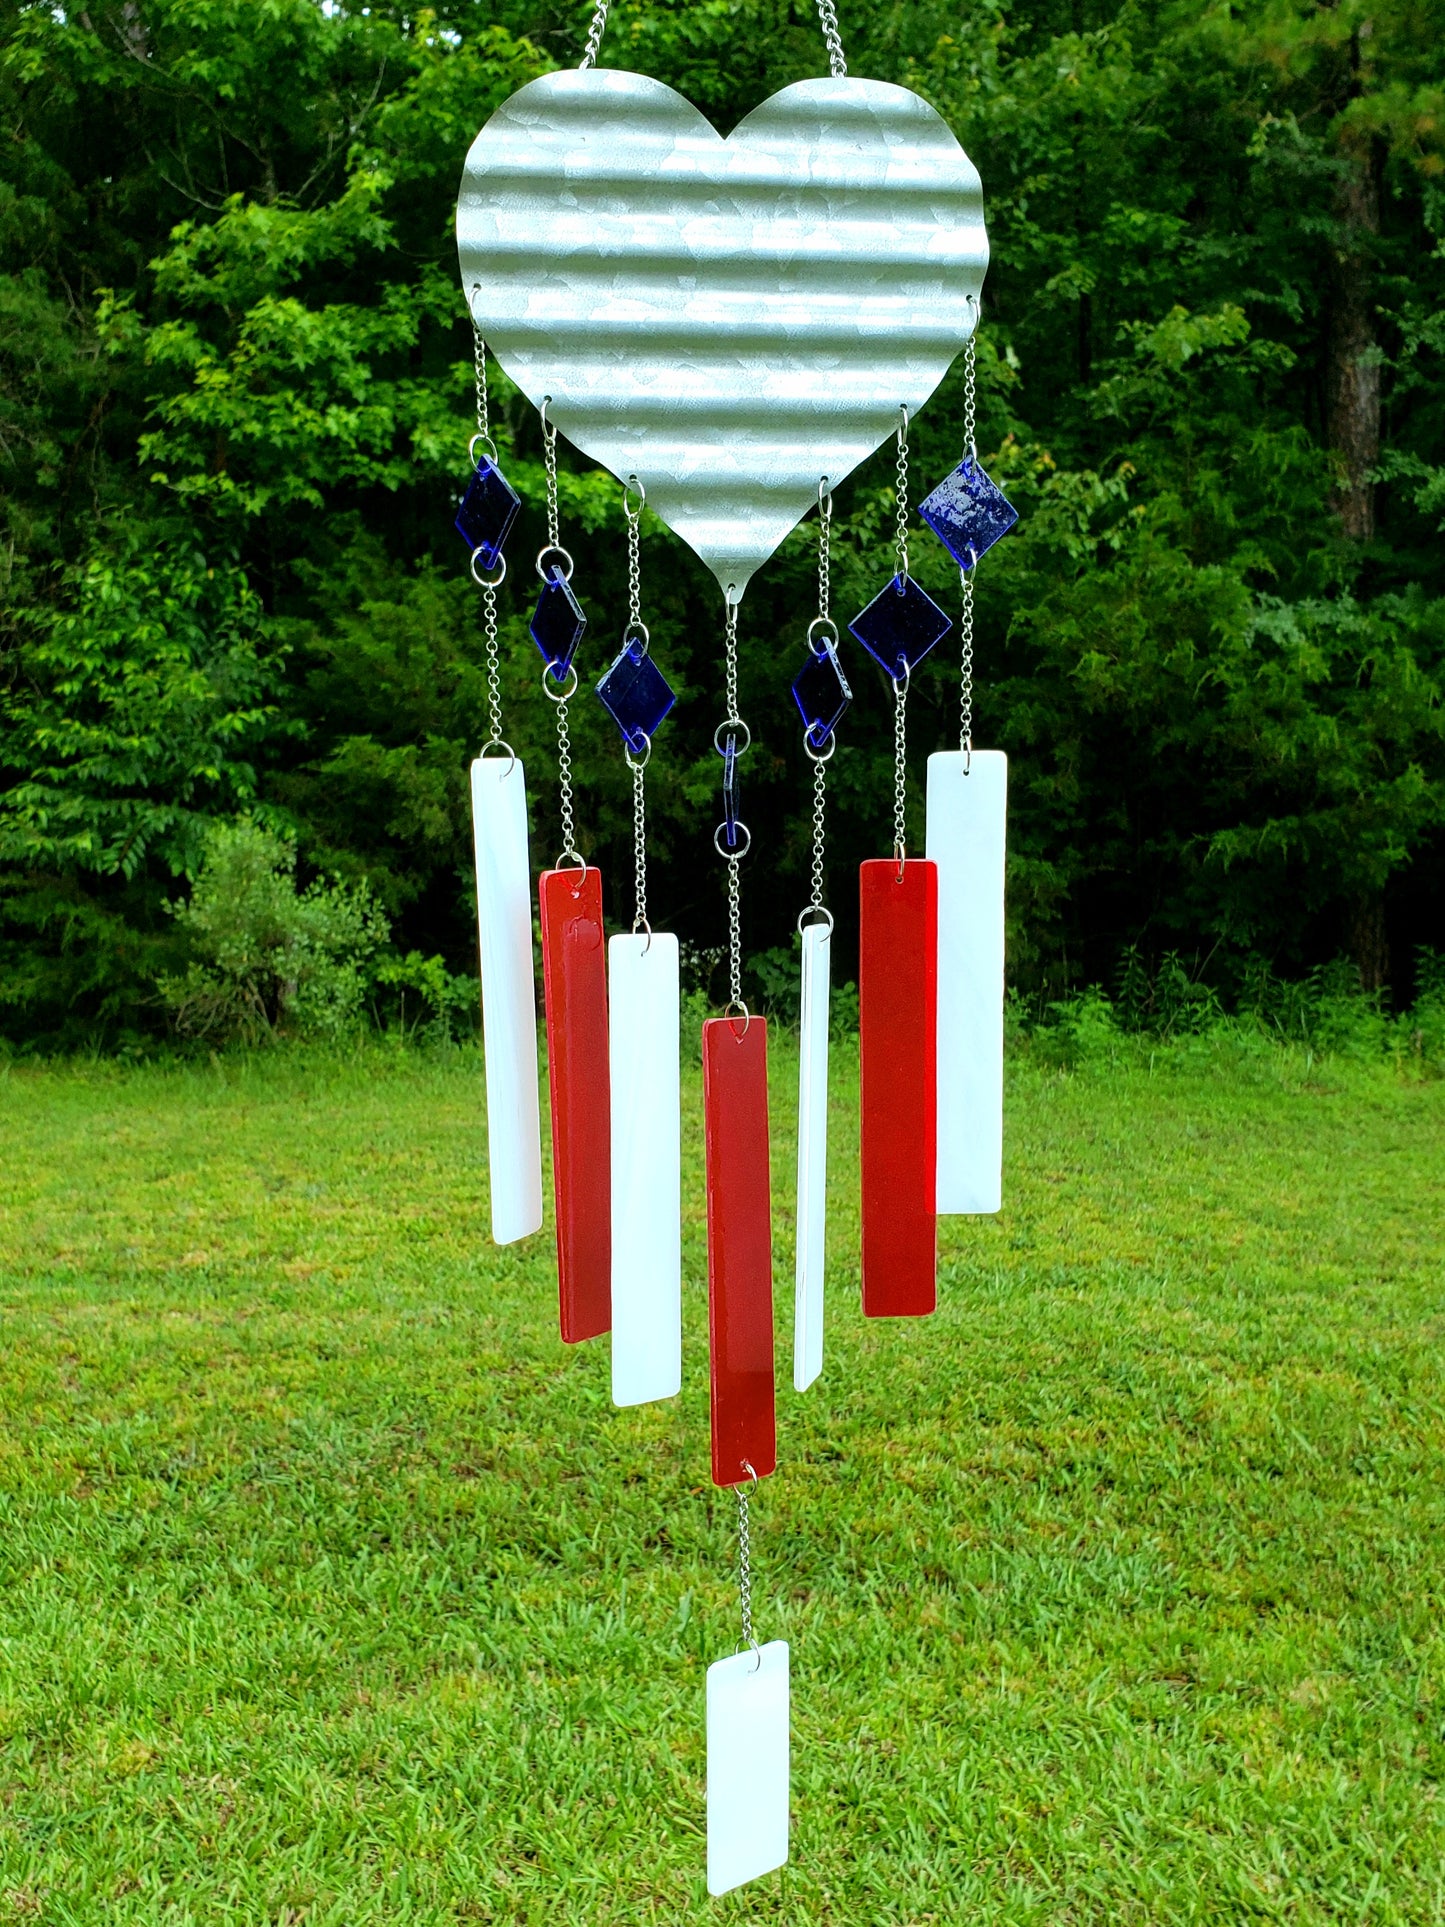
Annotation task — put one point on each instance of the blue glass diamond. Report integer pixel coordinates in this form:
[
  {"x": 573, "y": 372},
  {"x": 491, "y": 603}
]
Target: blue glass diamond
[
  {"x": 968, "y": 513},
  {"x": 487, "y": 512},
  {"x": 822, "y": 694},
  {"x": 558, "y": 623},
  {"x": 900, "y": 625},
  {"x": 635, "y": 693},
  {"x": 732, "y": 791}
]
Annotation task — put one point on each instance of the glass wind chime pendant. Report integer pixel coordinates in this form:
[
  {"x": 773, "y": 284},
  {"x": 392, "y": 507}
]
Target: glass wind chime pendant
[
  {"x": 484, "y": 519},
  {"x": 574, "y": 978},
  {"x": 965, "y": 838}
]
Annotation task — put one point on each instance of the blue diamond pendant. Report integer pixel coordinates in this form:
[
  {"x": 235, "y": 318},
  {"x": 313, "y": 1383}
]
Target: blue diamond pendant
[
  {"x": 968, "y": 513},
  {"x": 636, "y": 695},
  {"x": 900, "y": 625},
  {"x": 487, "y": 512},
  {"x": 822, "y": 694},
  {"x": 558, "y": 623}
]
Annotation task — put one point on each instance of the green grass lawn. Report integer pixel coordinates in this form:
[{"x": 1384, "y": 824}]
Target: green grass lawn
[{"x": 334, "y": 1589}]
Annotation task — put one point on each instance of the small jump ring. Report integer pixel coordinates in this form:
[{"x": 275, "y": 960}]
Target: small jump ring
[
  {"x": 737, "y": 1004},
  {"x": 561, "y": 694},
  {"x": 815, "y": 910},
  {"x": 907, "y": 678},
  {"x": 735, "y": 727},
  {"x": 743, "y": 1462},
  {"x": 818, "y": 755},
  {"x": 732, "y": 856},
  {"x": 628, "y": 486},
  {"x": 488, "y": 444},
  {"x": 645, "y": 925},
  {"x": 825, "y": 494},
  {"x": 571, "y": 860},
  {"x": 497, "y": 743},
  {"x": 903, "y": 425},
  {"x": 732, "y": 596},
  {"x": 825, "y": 623},
  {"x": 548, "y": 428},
  {"x": 553, "y": 548},
  {"x": 636, "y": 762},
  {"x": 489, "y": 581},
  {"x": 637, "y": 629}
]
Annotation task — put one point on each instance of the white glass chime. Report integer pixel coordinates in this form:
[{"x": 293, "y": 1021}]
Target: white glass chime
[{"x": 731, "y": 327}]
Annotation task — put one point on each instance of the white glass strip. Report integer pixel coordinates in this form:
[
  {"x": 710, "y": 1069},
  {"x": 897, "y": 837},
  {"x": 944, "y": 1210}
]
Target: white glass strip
[
  {"x": 747, "y": 1766},
  {"x": 509, "y": 996},
  {"x": 812, "y": 1156},
  {"x": 966, "y": 841},
  {"x": 643, "y": 1015}
]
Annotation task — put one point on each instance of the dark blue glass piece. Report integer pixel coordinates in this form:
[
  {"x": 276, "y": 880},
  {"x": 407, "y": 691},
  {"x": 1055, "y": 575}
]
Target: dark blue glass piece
[
  {"x": 488, "y": 510},
  {"x": 821, "y": 692},
  {"x": 732, "y": 791},
  {"x": 558, "y": 623},
  {"x": 900, "y": 625},
  {"x": 968, "y": 513},
  {"x": 636, "y": 694}
]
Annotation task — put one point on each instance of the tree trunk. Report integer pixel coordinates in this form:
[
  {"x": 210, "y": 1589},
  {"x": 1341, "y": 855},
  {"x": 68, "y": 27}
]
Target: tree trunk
[
  {"x": 1352, "y": 381},
  {"x": 1368, "y": 943}
]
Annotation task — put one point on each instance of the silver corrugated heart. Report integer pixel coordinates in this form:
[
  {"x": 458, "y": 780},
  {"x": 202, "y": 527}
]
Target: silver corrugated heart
[{"x": 727, "y": 319}]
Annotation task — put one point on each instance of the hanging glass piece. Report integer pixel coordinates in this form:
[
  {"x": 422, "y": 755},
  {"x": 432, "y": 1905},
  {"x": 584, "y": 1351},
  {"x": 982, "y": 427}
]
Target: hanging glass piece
[
  {"x": 574, "y": 971},
  {"x": 968, "y": 512},
  {"x": 821, "y": 692},
  {"x": 557, "y": 624},
  {"x": 739, "y": 1248},
  {"x": 732, "y": 792},
  {"x": 897, "y": 1044},
  {"x": 636, "y": 695},
  {"x": 900, "y": 625},
  {"x": 487, "y": 512},
  {"x": 747, "y": 1765}
]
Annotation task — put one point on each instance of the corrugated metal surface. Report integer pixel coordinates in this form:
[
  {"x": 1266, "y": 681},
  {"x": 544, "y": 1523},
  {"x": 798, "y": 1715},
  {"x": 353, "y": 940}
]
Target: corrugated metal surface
[{"x": 730, "y": 320}]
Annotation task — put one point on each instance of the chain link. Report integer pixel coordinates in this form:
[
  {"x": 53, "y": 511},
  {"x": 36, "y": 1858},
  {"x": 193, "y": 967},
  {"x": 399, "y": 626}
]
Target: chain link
[
  {"x": 549, "y": 458},
  {"x": 965, "y": 720},
  {"x": 479, "y": 377},
  {"x": 594, "y": 36},
  {"x": 820, "y": 796},
  {"x": 745, "y": 1556},
  {"x": 735, "y": 936},
  {"x": 825, "y": 559},
  {"x": 639, "y": 845},
  {"x": 970, "y": 399},
  {"x": 900, "y": 497},
  {"x": 730, "y": 661},
  {"x": 634, "y": 560},
  {"x": 494, "y": 668},
  {"x": 828, "y": 16},
  {"x": 900, "y": 766}
]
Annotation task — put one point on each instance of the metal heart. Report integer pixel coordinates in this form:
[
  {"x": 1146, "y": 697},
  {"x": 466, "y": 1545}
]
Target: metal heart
[{"x": 728, "y": 320}]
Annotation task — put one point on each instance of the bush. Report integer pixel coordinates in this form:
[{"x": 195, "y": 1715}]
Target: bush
[{"x": 267, "y": 959}]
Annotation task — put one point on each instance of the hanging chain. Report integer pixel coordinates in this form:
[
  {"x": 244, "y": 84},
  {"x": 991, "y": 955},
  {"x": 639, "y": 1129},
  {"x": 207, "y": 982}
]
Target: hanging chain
[
  {"x": 731, "y": 739},
  {"x": 745, "y": 1556},
  {"x": 900, "y": 496},
  {"x": 900, "y": 766},
  {"x": 735, "y": 936},
  {"x": 494, "y": 668},
  {"x": 820, "y": 792},
  {"x": 828, "y": 16},
  {"x": 639, "y": 842},
  {"x": 479, "y": 378},
  {"x": 554, "y": 556},
  {"x": 549, "y": 457},
  {"x": 825, "y": 563},
  {"x": 965, "y": 576},
  {"x": 823, "y": 621},
  {"x": 594, "y": 36},
  {"x": 634, "y": 557},
  {"x": 731, "y": 661}
]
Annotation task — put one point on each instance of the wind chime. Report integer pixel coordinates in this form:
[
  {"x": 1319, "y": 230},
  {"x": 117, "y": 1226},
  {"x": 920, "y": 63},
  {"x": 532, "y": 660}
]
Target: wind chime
[{"x": 731, "y": 327}]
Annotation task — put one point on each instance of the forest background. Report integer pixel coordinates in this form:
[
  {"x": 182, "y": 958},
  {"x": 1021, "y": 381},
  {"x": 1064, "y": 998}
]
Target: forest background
[{"x": 235, "y": 400}]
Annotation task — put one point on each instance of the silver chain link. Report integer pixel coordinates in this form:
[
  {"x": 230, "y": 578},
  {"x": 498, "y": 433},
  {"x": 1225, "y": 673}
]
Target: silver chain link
[
  {"x": 970, "y": 401},
  {"x": 828, "y": 15},
  {"x": 900, "y": 496},
  {"x": 634, "y": 562},
  {"x": 570, "y": 853},
  {"x": 549, "y": 457},
  {"x": 825, "y": 559},
  {"x": 594, "y": 36},
  {"x": 965, "y": 720},
  {"x": 479, "y": 378},
  {"x": 731, "y": 661},
  {"x": 494, "y": 668},
  {"x": 733, "y": 722},
  {"x": 639, "y": 845},
  {"x": 900, "y": 766},
  {"x": 820, "y": 795},
  {"x": 745, "y": 1555},
  {"x": 735, "y": 935}
]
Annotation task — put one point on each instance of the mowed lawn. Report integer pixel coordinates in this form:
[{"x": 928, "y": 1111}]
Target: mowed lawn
[{"x": 334, "y": 1589}]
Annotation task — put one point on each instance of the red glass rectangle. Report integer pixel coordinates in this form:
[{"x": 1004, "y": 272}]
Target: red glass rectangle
[
  {"x": 897, "y": 1043},
  {"x": 574, "y": 983},
  {"x": 739, "y": 1247}
]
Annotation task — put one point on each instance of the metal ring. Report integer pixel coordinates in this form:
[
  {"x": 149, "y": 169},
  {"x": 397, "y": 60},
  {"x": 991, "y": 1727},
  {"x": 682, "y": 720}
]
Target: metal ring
[
  {"x": 488, "y": 444},
  {"x": 637, "y": 628},
  {"x": 497, "y": 743},
  {"x": 732, "y": 856},
  {"x": 648, "y": 928},
  {"x": 818, "y": 755},
  {"x": 561, "y": 694},
  {"x": 489, "y": 581},
  {"x": 542, "y": 415},
  {"x": 744, "y": 1462},
  {"x": 907, "y": 677},
  {"x": 732, "y": 596},
  {"x": 823, "y": 622},
  {"x": 815, "y": 910},
  {"x": 578, "y": 862},
  {"x": 825, "y": 494},
  {"x": 632, "y": 762},
  {"x": 554, "y": 548},
  {"x": 902, "y": 430},
  {"x": 734, "y": 726},
  {"x": 628, "y": 486}
]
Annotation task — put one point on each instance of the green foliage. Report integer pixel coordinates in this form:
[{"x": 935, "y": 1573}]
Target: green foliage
[
  {"x": 267, "y": 959},
  {"x": 230, "y": 329}
]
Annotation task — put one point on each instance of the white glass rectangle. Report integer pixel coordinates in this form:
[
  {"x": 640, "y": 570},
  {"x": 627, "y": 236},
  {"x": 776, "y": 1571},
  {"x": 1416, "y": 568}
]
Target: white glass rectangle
[
  {"x": 812, "y": 1156},
  {"x": 643, "y": 1019},
  {"x": 747, "y": 1766},
  {"x": 965, "y": 838},
  {"x": 509, "y": 996}
]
